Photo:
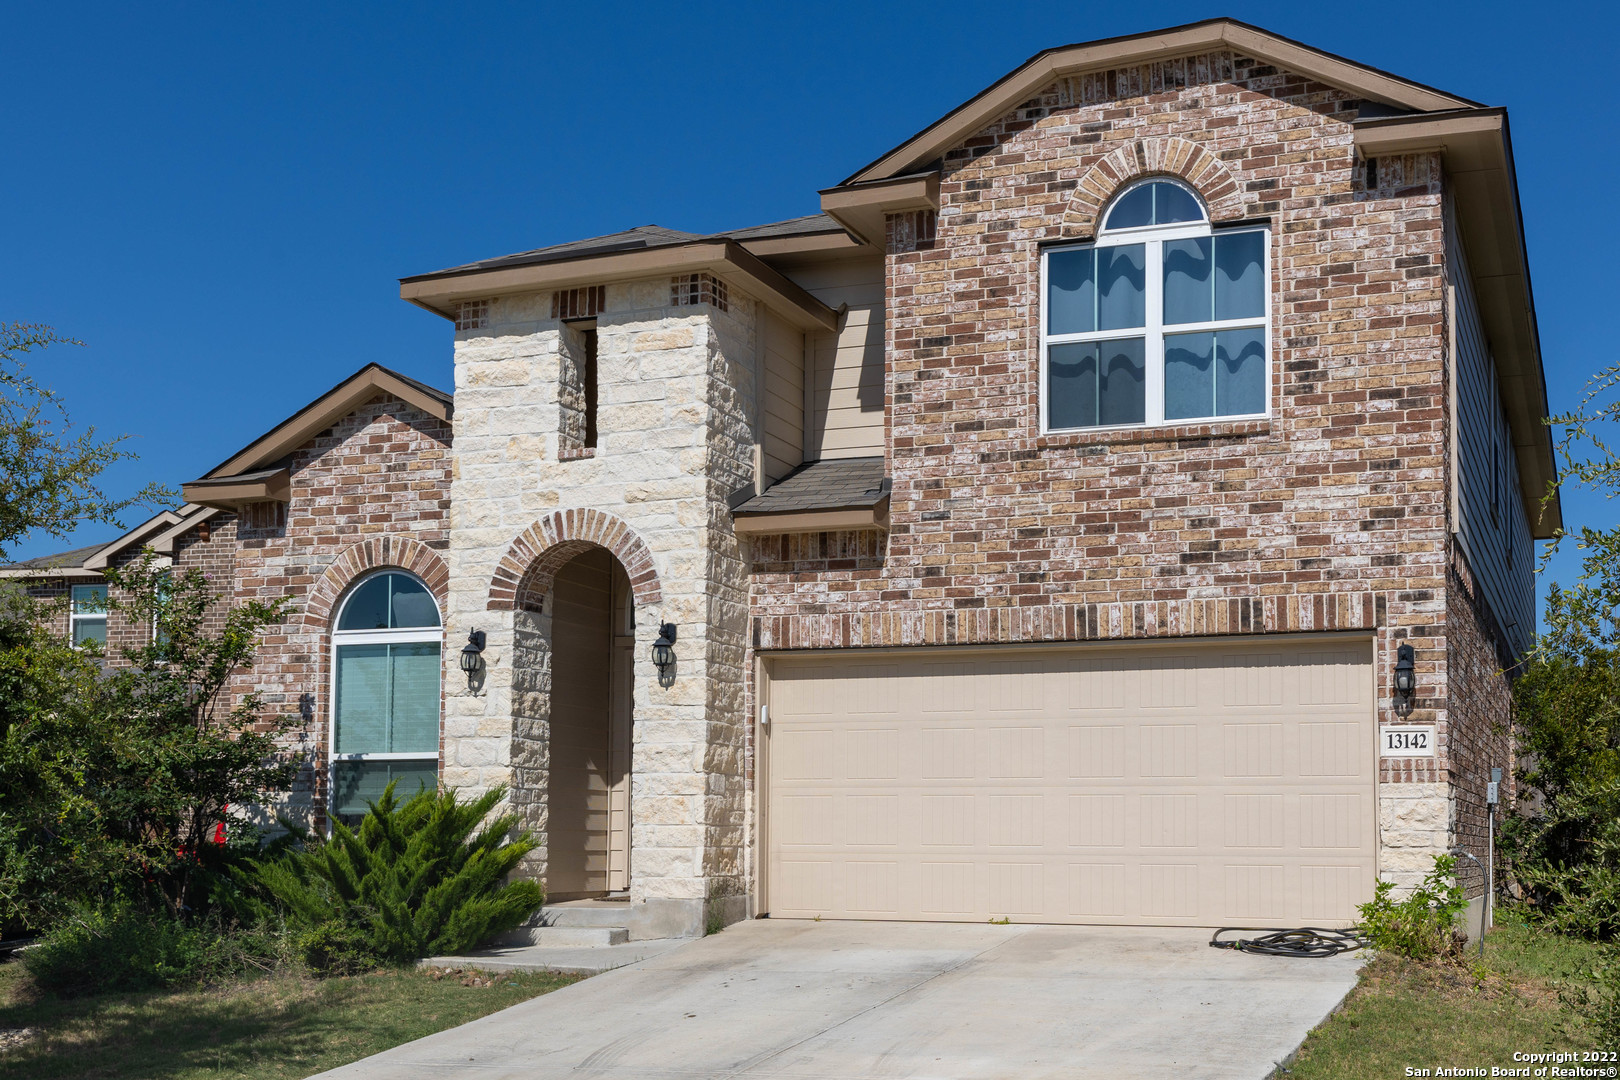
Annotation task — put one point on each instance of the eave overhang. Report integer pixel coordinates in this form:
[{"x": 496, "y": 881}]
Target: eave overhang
[
  {"x": 139, "y": 535},
  {"x": 861, "y": 208},
  {"x": 1044, "y": 68},
  {"x": 232, "y": 492},
  {"x": 838, "y": 519},
  {"x": 323, "y": 412},
  {"x": 728, "y": 259},
  {"x": 165, "y": 542},
  {"x": 1478, "y": 156}
]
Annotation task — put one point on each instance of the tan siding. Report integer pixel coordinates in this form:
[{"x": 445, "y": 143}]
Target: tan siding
[
  {"x": 578, "y": 788},
  {"x": 782, "y": 401},
  {"x": 846, "y": 410},
  {"x": 1488, "y": 468}
]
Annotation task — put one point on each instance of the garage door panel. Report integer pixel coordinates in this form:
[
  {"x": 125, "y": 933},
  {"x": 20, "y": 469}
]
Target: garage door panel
[{"x": 1048, "y": 788}]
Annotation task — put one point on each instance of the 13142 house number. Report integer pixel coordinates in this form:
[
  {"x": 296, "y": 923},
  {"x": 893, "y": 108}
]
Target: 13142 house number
[{"x": 1408, "y": 740}]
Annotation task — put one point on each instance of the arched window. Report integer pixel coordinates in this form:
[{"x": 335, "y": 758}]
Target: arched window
[
  {"x": 385, "y": 692},
  {"x": 1162, "y": 319}
]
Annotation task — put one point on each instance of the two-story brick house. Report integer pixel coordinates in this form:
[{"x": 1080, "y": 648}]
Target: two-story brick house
[{"x": 1040, "y": 527}]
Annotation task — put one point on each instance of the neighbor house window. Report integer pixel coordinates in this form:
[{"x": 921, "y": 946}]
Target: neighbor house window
[
  {"x": 87, "y": 618},
  {"x": 385, "y": 692},
  {"x": 1163, "y": 319}
]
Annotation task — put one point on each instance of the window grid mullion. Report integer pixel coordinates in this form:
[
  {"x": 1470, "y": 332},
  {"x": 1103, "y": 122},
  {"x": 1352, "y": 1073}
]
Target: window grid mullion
[{"x": 1153, "y": 332}]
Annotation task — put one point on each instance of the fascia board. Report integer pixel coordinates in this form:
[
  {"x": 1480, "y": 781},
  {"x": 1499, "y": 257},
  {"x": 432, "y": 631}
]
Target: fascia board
[
  {"x": 320, "y": 414},
  {"x": 723, "y": 257},
  {"x": 862, "y": 208},
  {"x": 1040, "y": 71},
  {"x": 139, "y": 534}
]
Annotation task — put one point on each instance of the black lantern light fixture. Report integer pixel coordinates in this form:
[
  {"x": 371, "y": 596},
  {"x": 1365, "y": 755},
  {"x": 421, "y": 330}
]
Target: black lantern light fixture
[
  {"x": 663, "y": 653},
  {"x": 1405, "y": 679},
  {"x": 472, "y": 656}
]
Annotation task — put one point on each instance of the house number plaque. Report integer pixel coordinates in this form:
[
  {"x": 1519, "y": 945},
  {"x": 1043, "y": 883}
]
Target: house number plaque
[{"x": 1407, "y": 740}]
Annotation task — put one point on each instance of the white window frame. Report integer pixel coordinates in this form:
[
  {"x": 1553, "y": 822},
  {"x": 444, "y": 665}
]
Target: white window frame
[
  {"x": 406, "y": 636},
  {"x": 1152, "y": 238},
  {"x": 75, "y": 618}
]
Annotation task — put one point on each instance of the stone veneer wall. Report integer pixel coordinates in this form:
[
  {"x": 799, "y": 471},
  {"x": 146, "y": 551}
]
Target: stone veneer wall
[
  {"x": 673, "y": 427},
  {"x": 1327, "y": 515},
  {"x": 368, "y": 492}
]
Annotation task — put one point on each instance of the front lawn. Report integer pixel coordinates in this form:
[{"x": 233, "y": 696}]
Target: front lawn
[
  {"x": 1405, "y": 1014},
  {"x": 283, "y": 1026}
]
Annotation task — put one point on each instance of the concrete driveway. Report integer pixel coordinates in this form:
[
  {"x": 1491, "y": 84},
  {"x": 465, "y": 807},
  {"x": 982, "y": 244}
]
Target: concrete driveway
[{"x": 849, "y": 1000}]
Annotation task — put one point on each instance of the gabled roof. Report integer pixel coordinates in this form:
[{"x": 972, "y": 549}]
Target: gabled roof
[
  {"x": 640, "y": 238},
  {"x": 254, "y": 471},
  {"x": 647, "y": 251},
  {"x": 1040, "y": 70},
  {"x": 62, "y": 564}
]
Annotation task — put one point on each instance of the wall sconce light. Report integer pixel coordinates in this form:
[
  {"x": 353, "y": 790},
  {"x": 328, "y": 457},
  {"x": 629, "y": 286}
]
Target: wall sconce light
[
  {"x": 1405, "y": 679},
  {"x": 472, "y": 656},
  {"x": 663, "y": 654}
]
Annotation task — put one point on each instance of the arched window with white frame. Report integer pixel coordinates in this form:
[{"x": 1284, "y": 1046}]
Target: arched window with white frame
[
  {"x": 385, "y": 692},
  {"x": 1162, "y": 319}
]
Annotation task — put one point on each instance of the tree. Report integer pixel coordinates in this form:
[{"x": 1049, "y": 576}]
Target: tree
[
  {"x": 1565, "y": 840},
  {"x": 113, "y": 781},
  {"x": 47, "y": 474}
]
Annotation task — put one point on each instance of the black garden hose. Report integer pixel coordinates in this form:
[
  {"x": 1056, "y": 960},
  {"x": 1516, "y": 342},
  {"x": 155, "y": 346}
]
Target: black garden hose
[{"x": 1304, "y": 941}]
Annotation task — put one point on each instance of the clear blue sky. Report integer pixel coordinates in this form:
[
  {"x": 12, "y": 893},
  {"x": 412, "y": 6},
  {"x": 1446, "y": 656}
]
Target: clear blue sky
[{"x": 218, "y": 199}]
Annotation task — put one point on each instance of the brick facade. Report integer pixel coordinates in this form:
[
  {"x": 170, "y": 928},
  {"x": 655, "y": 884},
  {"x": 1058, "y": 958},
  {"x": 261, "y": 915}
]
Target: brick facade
[
  {"x": 371, "y": 491},
  {"x": 1327, "y": 515}
]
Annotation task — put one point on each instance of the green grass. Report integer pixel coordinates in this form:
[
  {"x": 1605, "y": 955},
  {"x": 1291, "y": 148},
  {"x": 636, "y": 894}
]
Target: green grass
[
  {"x": 282, "y": 1026},
  {"x": 1404, "y": 1014}
]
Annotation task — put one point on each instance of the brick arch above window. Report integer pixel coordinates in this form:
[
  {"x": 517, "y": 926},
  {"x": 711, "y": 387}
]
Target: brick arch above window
[
  {"x": 376, "y": 553},
  {"x": 1179, "y": 158},
  {"x": 526, "y": 571}
]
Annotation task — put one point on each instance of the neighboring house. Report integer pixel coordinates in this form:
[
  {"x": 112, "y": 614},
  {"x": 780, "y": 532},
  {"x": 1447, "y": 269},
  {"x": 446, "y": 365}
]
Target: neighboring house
[{"x": 1040, "y": 526}]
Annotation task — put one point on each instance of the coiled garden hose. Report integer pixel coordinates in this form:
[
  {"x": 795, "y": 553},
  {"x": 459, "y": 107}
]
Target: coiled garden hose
[{"x": 1305, "y": 941}]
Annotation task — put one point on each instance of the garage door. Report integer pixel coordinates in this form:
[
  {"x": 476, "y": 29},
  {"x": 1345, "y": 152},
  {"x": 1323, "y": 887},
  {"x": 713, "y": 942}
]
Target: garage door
[{"x": 1195, "y": 786}]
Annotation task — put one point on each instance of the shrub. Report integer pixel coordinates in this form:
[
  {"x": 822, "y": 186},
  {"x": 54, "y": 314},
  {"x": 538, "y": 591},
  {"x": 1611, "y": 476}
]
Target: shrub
[
  {"x": 1423, "y": 925},
  {"x": 412, "y": 881},
  {"x": 333, "y": 948},
  {"x": 99, "y": 950},
  {"x": 1567, "y": 859},
  {"x": 1597, "y": 1002}
]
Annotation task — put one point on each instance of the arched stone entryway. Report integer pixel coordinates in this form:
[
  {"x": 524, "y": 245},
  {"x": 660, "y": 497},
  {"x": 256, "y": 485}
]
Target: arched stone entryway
[{"x": 577, "y": 583}]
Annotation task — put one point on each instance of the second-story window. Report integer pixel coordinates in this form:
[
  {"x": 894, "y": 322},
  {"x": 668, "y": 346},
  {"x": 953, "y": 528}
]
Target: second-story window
[{"x": 1163, "y": 319}]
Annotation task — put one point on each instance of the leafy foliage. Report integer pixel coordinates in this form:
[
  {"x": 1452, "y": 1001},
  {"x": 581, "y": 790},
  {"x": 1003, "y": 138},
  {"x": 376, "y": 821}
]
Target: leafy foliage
[
  {"x": 1564, "y": 841},
  {"x": 1564, "y": 844},
  {"x": 113, "y": 780},
  {"x": 1423, "y": 925},
  {"x": 415, "y": 879},
  {"x": 47, "y": 475},
  {"x": 123, "y": 947}
]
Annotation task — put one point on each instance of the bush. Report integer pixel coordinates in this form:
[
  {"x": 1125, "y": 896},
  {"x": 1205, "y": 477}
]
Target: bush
[
  {"x": 1597, "y": 1002},
  {"x": 1424, "y": 924},
  {"x": 412, "y": 881},
  {"x": 1567, "y": 859},
  {"x": 335, "y": 949},
  {"x": 99, "y": 950}
]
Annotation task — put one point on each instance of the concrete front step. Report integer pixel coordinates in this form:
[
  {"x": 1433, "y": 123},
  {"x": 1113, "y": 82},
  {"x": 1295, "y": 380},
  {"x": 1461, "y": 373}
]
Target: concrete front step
[
  {"x": 584, "y": 913},
  {"x": 564, "y": 936}
]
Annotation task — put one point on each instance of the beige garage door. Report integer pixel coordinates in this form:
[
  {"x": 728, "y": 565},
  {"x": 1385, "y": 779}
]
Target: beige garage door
[{"x": 1200, "y": 786}]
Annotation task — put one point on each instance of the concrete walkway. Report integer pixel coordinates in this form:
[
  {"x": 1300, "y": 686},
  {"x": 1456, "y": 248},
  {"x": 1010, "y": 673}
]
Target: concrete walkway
[{"x": 856, "y": 1000}]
